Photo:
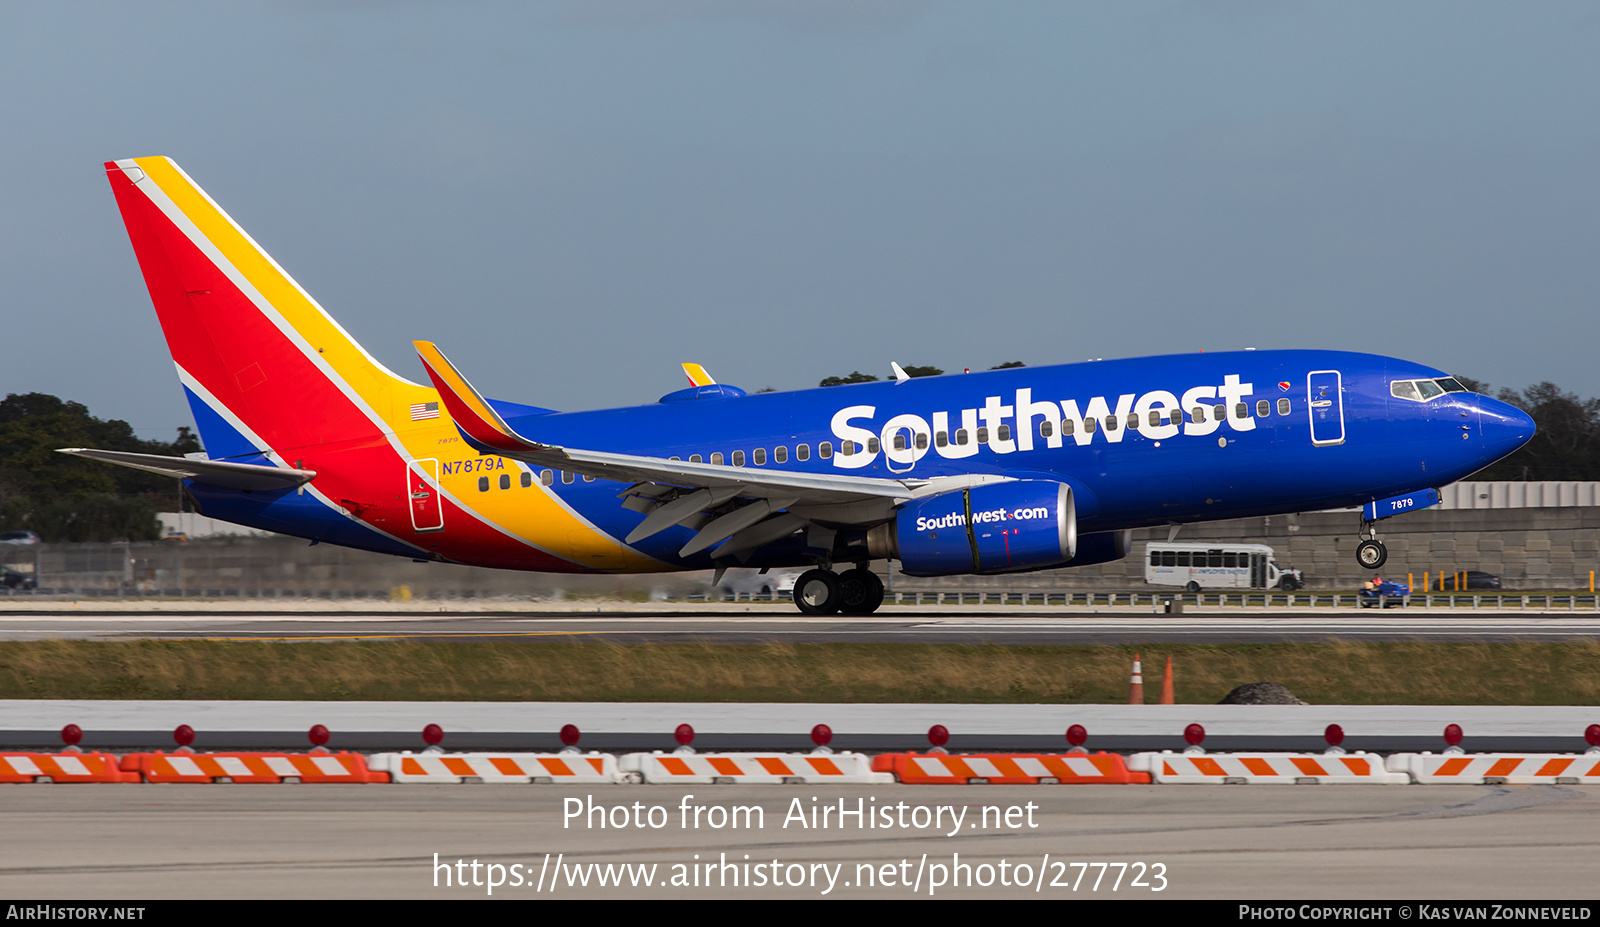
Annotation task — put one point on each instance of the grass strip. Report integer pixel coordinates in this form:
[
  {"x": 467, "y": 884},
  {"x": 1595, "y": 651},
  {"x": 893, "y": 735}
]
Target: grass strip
[{"x": 1334, "y": 672}]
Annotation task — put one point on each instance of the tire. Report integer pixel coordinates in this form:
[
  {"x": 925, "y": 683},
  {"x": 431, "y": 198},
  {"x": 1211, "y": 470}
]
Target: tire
[
  {"x": 1371, "y": 554},
  {"x": 860, "y": 592},
  {"x": 1192, "y": 587},
  {"x": 1289, "y": 584},
  {"x": 817, "y": 592}
]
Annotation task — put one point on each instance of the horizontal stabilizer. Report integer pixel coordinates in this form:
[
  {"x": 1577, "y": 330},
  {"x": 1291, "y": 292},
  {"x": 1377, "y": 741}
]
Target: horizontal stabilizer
[{"x": 211, "y": 472}]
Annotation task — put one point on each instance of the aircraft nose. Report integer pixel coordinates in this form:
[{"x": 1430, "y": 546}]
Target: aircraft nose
[{"x": 1505, "y": 427}]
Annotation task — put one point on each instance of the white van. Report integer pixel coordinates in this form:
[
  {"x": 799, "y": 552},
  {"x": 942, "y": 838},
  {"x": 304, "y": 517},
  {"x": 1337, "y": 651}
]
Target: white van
[{"x": 1217, "y": 566}]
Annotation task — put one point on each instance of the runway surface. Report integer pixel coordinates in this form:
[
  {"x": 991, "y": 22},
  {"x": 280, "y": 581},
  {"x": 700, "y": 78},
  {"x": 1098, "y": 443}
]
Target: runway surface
[
  {"x": 761, "y": 622},
  {"x": 1342, "y": 843}
]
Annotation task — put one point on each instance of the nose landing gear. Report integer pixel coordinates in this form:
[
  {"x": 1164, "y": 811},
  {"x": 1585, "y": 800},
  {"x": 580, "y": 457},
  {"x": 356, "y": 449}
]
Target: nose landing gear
[{"x": 1371, "y": 553}]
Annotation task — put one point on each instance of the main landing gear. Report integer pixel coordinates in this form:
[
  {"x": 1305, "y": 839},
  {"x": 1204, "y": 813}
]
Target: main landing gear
[
  {"x": 853, "y": 592},
  {"x": 1371, "y": 553}
]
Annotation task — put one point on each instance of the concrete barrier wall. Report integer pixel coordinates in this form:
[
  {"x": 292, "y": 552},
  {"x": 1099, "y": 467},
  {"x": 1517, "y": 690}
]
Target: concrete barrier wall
[{"x": 1529, "y": 548}]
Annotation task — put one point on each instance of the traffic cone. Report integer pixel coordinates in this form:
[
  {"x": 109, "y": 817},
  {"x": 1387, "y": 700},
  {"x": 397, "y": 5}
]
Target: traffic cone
[
  {"x": 1166, "y": 685},
  {"x": 1136, "y": 684}
]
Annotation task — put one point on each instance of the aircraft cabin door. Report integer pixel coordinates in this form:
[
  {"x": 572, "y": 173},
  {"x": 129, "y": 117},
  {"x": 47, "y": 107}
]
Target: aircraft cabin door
[
  {"x": 1325, "y": 399},
  {"x": 422, "y": 492}
]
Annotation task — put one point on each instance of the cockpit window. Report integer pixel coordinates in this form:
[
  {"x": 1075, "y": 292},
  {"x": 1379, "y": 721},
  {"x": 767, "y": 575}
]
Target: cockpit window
[
  {"x": 1404, "y": 389},
  {"x": 1424, "y": 390}
]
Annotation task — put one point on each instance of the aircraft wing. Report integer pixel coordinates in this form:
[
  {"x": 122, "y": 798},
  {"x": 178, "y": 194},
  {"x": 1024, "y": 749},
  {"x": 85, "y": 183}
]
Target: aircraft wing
[
  {"x": 213, "y": 472},
  {"x": 675, "y": 492}
]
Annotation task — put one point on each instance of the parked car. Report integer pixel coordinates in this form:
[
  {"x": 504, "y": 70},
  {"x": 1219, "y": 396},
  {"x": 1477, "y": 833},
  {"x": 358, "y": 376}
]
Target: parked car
[
  {"x": 16, "y": 579},
  {"x": 779, "y": 585},
  {"x": 18, "y": 537},
  {"x": 1476, "y": 579},
  {"x": 1381, "y": 592}
]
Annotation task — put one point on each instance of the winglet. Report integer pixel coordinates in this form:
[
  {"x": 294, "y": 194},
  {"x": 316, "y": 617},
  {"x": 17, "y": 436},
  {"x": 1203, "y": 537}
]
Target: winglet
[
  {"x": 697, "y": 375},
  {"x": 900, "y": 376},
  {"x": 475, "y": 417}
]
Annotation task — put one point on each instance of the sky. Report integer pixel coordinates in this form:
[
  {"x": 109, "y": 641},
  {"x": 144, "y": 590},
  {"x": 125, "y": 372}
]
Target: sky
[{"x": 571, "y": 198}]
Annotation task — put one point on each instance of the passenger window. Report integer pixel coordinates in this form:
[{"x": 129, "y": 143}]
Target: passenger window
[
  {"x": 1046, "y": 429},
  {"x": 1198, "y": 413},
  {"x": 505, "y": 481},
  {"x": 1283, "y": 407},
  {"x": 848, "y": 448},
  {"x": 802, "y": 452},
  {"x": 527, "y": 478},
  {"x": 825, "y": 449},
  {"x": 716, "y": 457},
  {"x": 1133, "y": 421},
  {"x": 566, "y": 476},
  {"x": 547, "y": 477},
  {"x": 483, "y": 484},
  {"x": 760, "y": 455},
  {"x": 941, "y": 439},
  {"x": 738, "y": 458},
  {"x": 1088, "y": 426},
  {"x": 1067, "y": 427},
  {"x": 1219, "y": 412},
  {"x": 983, "y": 434},
  {"x": 587, "y": 478},
  {"x": 694, "y": 458},
  {"x": 1241, "y": 410},
  {"x": 674, "y": 458},
  {"x": 1005, "y": 432},
  {"x": 1111, "y": 423},
  {"x": 872, "y": 445},
  {"x": 1155, "y": 418},
  {"x": 961, "y": 436},
  {"x": 1263, "y": 408},
  {"x": 899, "y": 441},
  {"x": 922, "y": 440},
  {"x": 780, "y": 454}
]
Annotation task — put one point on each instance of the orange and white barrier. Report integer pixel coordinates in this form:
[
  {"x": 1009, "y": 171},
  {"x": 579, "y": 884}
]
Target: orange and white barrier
[
  {"x": 566, "y": 768},
  {"x": 755, "y": 768},
  {"x": 62, "y": 767},
  {"x": 1266, "y": 768},
  {"x": 1009, "y": 768},
  {"x": 1498, "y": 768},
  {"x": 251, "y": 767}
]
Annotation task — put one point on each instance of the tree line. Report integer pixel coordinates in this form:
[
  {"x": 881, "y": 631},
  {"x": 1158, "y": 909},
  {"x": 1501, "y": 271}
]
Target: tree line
[{"x": 66, "y": 498}]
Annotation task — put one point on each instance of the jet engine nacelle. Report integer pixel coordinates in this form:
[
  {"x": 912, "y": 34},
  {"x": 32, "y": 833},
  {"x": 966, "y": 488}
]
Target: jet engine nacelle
[
  {"x": 999, "y": 528},
  {"x": 1101, "y": 547}
]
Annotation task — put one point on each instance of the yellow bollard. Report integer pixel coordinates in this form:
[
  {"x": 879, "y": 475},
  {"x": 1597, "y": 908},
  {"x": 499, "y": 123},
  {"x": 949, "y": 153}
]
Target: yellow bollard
[
  {"x": 1411, "y": 581},
  {"x": 1425, "y": 586}
]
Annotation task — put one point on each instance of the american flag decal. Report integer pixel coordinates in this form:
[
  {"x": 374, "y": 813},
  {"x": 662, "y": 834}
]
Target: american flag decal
[{"x": 422, "y": 410}]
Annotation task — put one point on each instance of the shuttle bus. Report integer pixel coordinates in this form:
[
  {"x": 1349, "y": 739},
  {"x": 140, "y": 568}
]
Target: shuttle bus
[{"x": 1216, "y": 566}]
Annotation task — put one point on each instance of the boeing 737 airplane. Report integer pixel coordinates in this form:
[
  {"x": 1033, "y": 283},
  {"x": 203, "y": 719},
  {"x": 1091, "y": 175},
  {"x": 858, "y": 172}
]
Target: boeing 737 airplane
[{"x": 1007, "y": 471}]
